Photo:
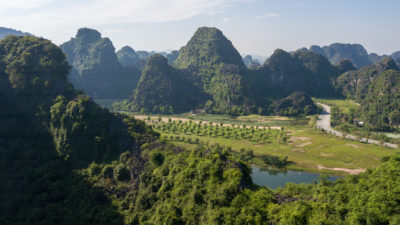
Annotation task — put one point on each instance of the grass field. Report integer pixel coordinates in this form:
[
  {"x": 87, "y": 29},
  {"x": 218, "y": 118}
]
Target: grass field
[
  {"x": 306, "y": 147},
  {"x": 249, "y": 120},
  {"x": 343, "y": 104}
]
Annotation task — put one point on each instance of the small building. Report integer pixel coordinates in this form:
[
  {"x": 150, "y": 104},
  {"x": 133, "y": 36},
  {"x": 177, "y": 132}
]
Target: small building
[{"x": 358, "y": 122}]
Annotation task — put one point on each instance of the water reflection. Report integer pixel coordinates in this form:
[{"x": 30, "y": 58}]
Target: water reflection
[{"x": 278, "y": 178}]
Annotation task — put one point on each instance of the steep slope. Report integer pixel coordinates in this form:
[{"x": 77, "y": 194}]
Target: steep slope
[
  {"x": 296, "y": 104},
  {"x": 376, "y": 58},
  {"x": 285, "y": 73},
  {"x": 162, "y": 89},
  {"x": 128, "y": 57},
  {"x": 338, "y": 51},
  {"x": 96, "y": 69},
  {"x": 172, "y": 56},
  {"x": 4, "y": 32},
  {"x": 380, "y": 107},
  {"x": 214, "y": 65},
  {"x": 224, "y": 85},
  {"x": 207, "y": 51},
  {"x": 396, "y": 57},
  {"x": 45, "y": 182},
  {"x": 355, "y": 84},
  {"x": 47, "y": 132},
  {"x": 345, "y": 65},
  {"x": 250, "y": 62}
]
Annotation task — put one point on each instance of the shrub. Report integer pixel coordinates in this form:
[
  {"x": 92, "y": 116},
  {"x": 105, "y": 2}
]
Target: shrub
[
  {"x": 124, "y": 156},
  {"x": 94, "y": 169},
  {"x": 157, "y": 158},
  {"x": 108, "y": 171},
  {"x": 121, "y": 173}
]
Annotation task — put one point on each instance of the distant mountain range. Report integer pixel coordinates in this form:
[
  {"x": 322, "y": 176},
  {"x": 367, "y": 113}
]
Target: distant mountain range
[
  {"x": 4, "y": 32},
  {"x": 128, "y": 57},
  {"x": 355, "y": 52},
  {"x": 209, "y": 73},
  {"x": 96, "y": 69}
]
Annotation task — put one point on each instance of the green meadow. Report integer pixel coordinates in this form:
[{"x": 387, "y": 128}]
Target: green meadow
[{"x": 306, "y": 148}]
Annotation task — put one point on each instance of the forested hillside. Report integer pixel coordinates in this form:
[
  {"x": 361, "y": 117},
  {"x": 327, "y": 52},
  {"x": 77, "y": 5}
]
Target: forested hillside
[
  {"x": 48, "y": 130},
  {"x": 65, "y": 160},
  {"x": 162, "y": 89},
  {"x": 4, "y": 32},
  {"x": 95, "y": 66},
  {"x": 381, "y": 104},
  {"x": 355, "y": 84},
  {"x": 222, "y": 84},
  {"x": 339, "y": 51},
  {"x": 285, "y": 73}
]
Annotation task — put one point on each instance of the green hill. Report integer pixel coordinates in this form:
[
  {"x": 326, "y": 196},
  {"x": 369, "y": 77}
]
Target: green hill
[
  {"x": 355, "y": 84},
  {"x": 162, "y": 89},
  {"x": 284, "y": 73},
  {"x": 128, "y": 57},
  {"x": 49, "y": 131},
  {"x": 65, "y": 160},
  {"x": 339, "y": 51},
  {"x": 95, "y": 66},
  {"x": 210, "y": 68},
  {"x": 4, "y": 32},
  {"x": 381, "y": 104}
]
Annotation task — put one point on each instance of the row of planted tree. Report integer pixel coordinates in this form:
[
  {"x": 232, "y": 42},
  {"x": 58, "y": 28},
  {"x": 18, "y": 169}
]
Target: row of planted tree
[{"x": 255, "y": 134}]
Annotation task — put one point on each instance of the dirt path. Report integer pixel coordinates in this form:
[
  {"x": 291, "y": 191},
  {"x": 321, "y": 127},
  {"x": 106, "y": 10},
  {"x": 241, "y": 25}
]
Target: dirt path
[
  {"x": 350, "y": 171},
  {"x": 324, "y": 123}
]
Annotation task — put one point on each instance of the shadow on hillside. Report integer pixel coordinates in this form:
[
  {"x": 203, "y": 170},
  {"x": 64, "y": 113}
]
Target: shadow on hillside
[{"x": 39, "y": 187}]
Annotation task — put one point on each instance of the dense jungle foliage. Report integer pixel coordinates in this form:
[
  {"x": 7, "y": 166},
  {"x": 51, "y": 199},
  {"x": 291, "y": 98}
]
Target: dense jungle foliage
[
  {"x": 210, "y": 74},
  {"x": 95, "y": 66},
  {"x": 65, "y": 160}
]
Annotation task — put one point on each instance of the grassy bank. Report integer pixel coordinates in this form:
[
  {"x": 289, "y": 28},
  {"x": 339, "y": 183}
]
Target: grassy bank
[{"x": 344, "y": 104}]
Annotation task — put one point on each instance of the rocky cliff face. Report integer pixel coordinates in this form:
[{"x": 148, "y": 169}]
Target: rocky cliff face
[{"x": 96, "y": 69}]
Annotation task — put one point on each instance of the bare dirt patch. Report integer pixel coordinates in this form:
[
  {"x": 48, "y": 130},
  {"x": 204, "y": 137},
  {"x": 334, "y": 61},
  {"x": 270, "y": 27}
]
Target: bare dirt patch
[
  {"x": 303, "y": 144},
  {"x": 296, "y": 139},
  {"x": 298, "y": 150},
  {"x": 353, "y": 145},
  {"x": 326, "y": 154},
  {"x": 350, "y": 171}
]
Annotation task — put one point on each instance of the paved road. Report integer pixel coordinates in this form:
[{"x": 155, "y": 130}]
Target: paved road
[{"x": 324, "y": 123}]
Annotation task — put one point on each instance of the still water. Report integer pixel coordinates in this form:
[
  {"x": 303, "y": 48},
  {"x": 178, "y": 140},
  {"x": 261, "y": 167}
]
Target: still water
[{"x": 276, "y": 178}]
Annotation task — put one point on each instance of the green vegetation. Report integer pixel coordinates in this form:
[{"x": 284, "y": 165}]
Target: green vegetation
[
  {"x": 107, "y": 103},
  {"x": 355, "y": 84},
  {"x": 95, "y": 67},
  {"x": 209, "y": 74},
  {"x": 66, "y": 160},
  {"x": 305, "y": 148},
  {"x": 4, "y": 32},
  {"x": 345, "y": 105},
  {"x": 128, "y": 57},
  {"x": 337, "y": 52},
  {"x": 156, "y": 91},
  {"x": 380, "y": 108},
  {"x": 38, "y": 179}
]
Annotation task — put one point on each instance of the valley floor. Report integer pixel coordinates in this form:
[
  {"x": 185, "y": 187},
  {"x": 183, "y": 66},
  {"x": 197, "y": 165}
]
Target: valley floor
[{"x": 307, "y": 148}]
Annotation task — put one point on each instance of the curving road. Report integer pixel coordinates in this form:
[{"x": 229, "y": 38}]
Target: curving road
[{"x": 324, "y": 123}]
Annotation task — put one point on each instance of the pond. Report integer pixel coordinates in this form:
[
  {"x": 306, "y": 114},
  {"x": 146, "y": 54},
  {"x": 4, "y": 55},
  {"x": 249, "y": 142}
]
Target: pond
[{"x": 276, "y": 178}]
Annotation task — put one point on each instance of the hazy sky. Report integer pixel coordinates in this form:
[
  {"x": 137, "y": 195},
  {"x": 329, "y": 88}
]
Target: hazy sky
[{"x": 254, "y": 26}]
